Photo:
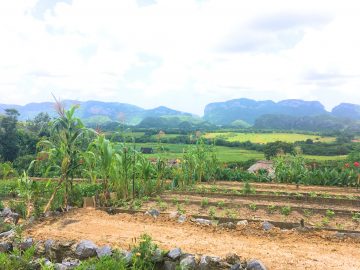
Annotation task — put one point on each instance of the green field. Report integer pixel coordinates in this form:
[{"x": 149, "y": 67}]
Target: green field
[
  {"x": 266, "y": 137},
  {"x": 225, "y": 154}
]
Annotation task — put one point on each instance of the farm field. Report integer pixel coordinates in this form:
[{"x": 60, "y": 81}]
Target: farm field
[
  {"x": 266, "y": 137},
  {"x": 83, "y": 188},
  {"x": 223, "y": 153},
  {"x": 318, "y": 208},
  {"x": 295, "y": 247}
]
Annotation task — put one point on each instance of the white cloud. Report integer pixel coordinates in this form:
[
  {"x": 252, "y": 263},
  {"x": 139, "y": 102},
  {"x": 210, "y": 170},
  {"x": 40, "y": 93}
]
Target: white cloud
[{"x": 196, "y": 51}]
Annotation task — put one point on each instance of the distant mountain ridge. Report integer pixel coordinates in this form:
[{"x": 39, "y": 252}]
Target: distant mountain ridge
[
  {"x": 249, "y": 110},
  {"x": 96, "y": 111},
  {"x": 237, "y": 112}
]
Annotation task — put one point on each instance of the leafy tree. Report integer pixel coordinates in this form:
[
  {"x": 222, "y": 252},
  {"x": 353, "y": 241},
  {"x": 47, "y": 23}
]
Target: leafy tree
[
  {"x": 40, "y": 125},
  {"x": 272, "y": 149},
  {"x": 9, "y": 136}
]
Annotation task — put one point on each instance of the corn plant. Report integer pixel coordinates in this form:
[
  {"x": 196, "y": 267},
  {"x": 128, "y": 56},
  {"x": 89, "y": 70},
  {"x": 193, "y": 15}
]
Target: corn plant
[
  {"x": 63, "y": 149},
  {"x": 25, "y": 188}
]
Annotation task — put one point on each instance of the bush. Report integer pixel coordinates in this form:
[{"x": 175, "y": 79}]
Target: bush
[
  {"x": 144, "y": 254},
  {"x": 286, "y": 210},
  {"x": 18, "y": 207}
]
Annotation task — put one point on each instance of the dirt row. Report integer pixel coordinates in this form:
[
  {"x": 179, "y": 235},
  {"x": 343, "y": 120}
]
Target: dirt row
[
  {"x": 313, "y": 219},
  {"x": 287, "y": 187},
  {"x": 277, "y": 249},
  {"x": 243, "y": 200}
]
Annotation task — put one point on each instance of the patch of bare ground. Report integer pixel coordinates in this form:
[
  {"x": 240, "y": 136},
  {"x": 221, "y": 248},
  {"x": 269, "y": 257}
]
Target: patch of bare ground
[{"x": 278, "y": 249}]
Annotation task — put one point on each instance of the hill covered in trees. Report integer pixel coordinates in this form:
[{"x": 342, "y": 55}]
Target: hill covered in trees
[{"x": 289, "y": 114}]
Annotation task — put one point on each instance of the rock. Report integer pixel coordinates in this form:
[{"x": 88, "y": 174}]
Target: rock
[
  {"x": 209, "y": 263},
  {"x": 13, "y": 217},
  {"x": 47, "y": 263},
  {"x": 7, "y": 234},
  {"x": 60, "y": 250},
  {"x": 169, "y": 265},
  {"x": 157, "y": 256},
  {"x": 48, "y": 244},
  {"x": 48, "y": 214},
  {"x": 9, "y": 216},
  {"x": 31, "y": 220},
  {"x": 255, "y": 265},
  {"x": 26, "y": 244},
  {"x": 345, "y": 235},
  {"x": 202, "y": 221},
  {"x": 127, "y": 256},
  {"x": 86, "y": 249},
  {"x": 67, "y": 264},
  {"x": 104, "y": 251},
  {"x": 6, "y": 212},
  {"x": 227, "y": 225},
  {"x": 232, "y": 258},
  {"x": 267, "y": 226},
  {"x": 188, "y": 263},
  {"x": 174, "y": 215},
  {"x": 40, "y": 249},
  {"x": 60, "y": 266},
  {"x": 70, "y": 263},
  {"x": 6, "y": 247},
  {"x": 153, "y": 212},
  {"x": 242, "y": 223},
  {"x": 174, "y": 254},
  {"x": 181, "y": 219},
  {"x": 42, "y": 262},
  {"x": 236, "y": 266}
]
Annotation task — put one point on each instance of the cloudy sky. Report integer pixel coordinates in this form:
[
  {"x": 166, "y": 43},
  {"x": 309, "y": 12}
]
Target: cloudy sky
[{"x": 179, "y": 53}]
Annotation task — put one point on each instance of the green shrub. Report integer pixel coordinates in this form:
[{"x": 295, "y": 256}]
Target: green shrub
[
  {"x": 253, "y": 206},
  {"x": 212, "y": 211},
  {"x": 330, "y": 213},
  {"x": 221, "y": 204},
  {"x": 163, "y": 206},
  {"x": 180, "y": 208},
  {"x": 271, "y": 209},
  {"x": 144, "y": 254},
  {"x": 286, "y": 210},
  {"x": 18, "y": 207},
  {"x": 204, "y": 202},
  {"x": 356, "y": 216},
  {"x": 247, "y": 189}
]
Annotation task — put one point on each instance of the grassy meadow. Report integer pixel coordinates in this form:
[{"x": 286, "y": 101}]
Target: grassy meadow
[
  {"x": 225, "y": 154},
  {"x": 266, "y": 137}
]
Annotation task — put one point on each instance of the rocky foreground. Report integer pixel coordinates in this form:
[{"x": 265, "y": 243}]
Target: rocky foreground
[{"x": 63, "y": 255}]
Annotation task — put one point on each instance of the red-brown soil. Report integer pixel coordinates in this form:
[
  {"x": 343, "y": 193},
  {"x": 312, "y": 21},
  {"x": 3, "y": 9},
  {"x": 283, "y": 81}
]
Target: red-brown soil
[{"x": 277, "y": 249}]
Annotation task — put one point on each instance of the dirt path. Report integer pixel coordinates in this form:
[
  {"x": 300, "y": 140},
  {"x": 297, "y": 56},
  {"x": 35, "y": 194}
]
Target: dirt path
[{"x": 278, "y": 250}]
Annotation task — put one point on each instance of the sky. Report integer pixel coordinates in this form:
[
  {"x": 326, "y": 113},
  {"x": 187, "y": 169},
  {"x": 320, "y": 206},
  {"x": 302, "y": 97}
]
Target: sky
[{"x": 182, "y": 54}]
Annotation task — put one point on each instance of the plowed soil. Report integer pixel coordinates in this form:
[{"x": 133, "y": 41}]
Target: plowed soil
[
  {"x": 277, "y": 249},
  {"x": 287, "y": 188}
]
